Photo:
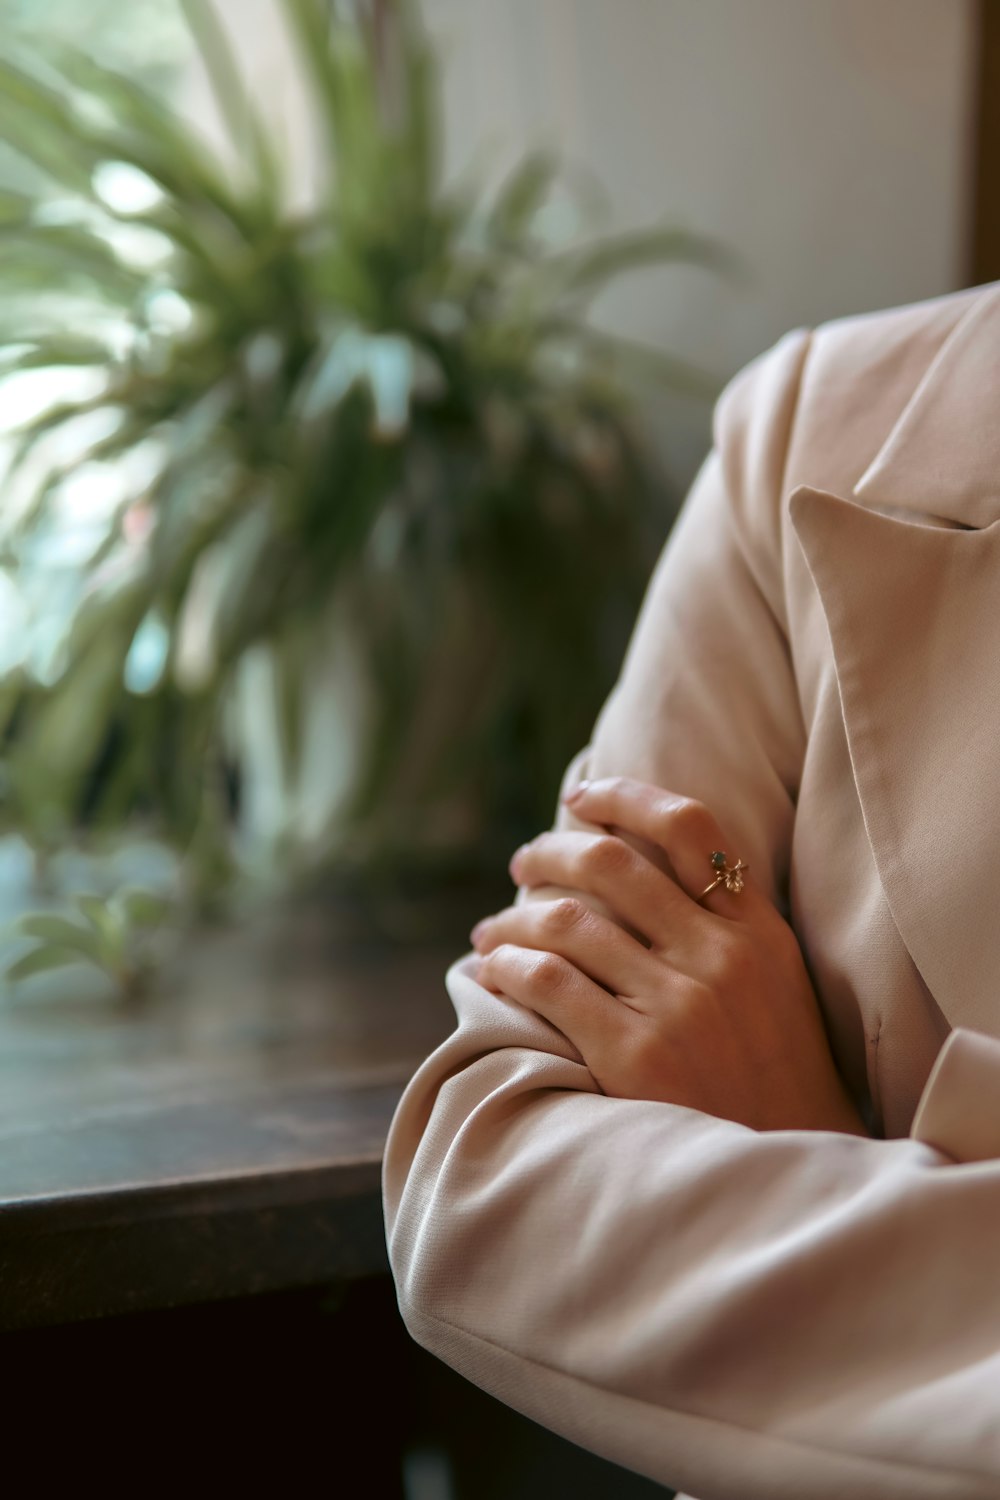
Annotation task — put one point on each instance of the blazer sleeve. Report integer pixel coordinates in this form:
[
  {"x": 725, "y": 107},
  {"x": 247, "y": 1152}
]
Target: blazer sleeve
[{"x": 780, "y": 1316}]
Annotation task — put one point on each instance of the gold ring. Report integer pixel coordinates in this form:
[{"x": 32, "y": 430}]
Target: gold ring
[{"x": 731, "y": 876}]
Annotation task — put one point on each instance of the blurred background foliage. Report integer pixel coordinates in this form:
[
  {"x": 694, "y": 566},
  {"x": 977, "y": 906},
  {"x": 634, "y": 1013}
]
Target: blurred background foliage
[
  {"x": 322, "y": 529},
  {"x": 146, "y": 39}
]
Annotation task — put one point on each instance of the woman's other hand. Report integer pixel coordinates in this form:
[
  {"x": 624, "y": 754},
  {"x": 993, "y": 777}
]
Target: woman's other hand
[{"x": 705, "y": 1003}]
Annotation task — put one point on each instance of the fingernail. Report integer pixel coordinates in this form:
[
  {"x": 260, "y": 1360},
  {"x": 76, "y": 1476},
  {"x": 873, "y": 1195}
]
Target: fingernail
[
  {"x": 576, "y": 791},
  {"x": 515, "y": 860},
  {"x": 479, "y": 931}
]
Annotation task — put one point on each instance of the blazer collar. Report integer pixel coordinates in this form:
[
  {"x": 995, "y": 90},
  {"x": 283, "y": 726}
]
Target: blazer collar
[
  {"x": 913, "y": 612},
  {"x": 944, "y": 451}
]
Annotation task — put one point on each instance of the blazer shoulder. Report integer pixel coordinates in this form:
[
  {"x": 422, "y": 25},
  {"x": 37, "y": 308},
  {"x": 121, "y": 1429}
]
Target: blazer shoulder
[
  {"x": 860, "y": 374},
  {"x": 891, "y": 344},
  {"x": 885, "y": 345},
  {"x": 816, "y": 407},
  {"x": 832, "y": 375},
  {"x": 911, "y": 323}
]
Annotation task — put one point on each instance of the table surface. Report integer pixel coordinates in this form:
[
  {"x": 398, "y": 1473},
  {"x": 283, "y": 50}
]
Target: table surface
[{"x": 222, "y": 1138}]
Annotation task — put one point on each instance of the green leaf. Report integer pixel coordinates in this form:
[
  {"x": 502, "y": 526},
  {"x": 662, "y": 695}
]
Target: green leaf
[
  {"x": 41, "y": 961},
  {"x": 422, "y": 129},
  {"x": 94, "y": 908},
  {"x": 310, "y": 24},
  {"x": 37, "y": 121},
  {"x": 58, "y": 351},
  {"x": 346, "y": 90},
  {"x": 146, "y": 134},
  {"x": 232, "y": 95},
  {"x": 644, "y": 362},
  {"x": 245, "y": 565},
  {"x": 107, "y": 924},
  {"x": 142, "y": 908},
  {"x": 521, "y": 195},
  {"x": 15, "y": 208},
  {"x": 79, "y": 255},
  {"x": 60, "y": 932},
  {"x": 73, "y": 720},
  {"x": 588, "y": 269}
]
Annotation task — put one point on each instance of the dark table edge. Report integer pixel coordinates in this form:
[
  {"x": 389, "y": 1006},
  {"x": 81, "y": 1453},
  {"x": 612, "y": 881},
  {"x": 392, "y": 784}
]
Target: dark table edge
[
  {"x": 203, "y": 1195},
  {"x": 132, "y": 1248}
]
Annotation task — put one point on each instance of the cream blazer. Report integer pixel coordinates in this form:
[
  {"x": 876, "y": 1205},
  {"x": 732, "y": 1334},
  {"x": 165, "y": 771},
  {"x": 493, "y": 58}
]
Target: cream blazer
[{"x": 791, "y": 1315}]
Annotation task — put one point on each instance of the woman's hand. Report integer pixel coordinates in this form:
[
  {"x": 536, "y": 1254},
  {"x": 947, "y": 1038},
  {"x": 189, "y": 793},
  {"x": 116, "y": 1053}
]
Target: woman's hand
[{"x": 705, "y": 1004}]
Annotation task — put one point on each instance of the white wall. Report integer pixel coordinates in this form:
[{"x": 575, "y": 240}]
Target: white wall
[{"x": 826, "y": 141}]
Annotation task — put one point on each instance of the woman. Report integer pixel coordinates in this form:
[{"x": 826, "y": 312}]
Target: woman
[{"x": 708, "y": 1178}]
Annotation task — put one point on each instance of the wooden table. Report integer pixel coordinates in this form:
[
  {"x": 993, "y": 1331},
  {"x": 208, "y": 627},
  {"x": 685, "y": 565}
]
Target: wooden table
[{"x": 220, "y": 1140}]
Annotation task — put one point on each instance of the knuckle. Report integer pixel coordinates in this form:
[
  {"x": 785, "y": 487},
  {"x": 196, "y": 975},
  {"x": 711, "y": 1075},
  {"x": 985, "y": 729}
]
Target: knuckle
[
  {"x": 497, "y": 958},
  {"x": 564, "y": 915},
  {"x": 689, "y": 820},
  {"x": 548, "y": 972},
  {"x": 607, "y": 855}
]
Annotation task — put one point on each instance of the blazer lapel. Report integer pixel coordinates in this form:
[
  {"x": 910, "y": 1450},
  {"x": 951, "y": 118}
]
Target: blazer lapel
[{"x": 912, "y": 602}]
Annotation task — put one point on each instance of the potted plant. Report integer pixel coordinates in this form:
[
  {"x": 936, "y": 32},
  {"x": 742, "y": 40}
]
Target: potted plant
[{"x": 330, "y": 546}]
